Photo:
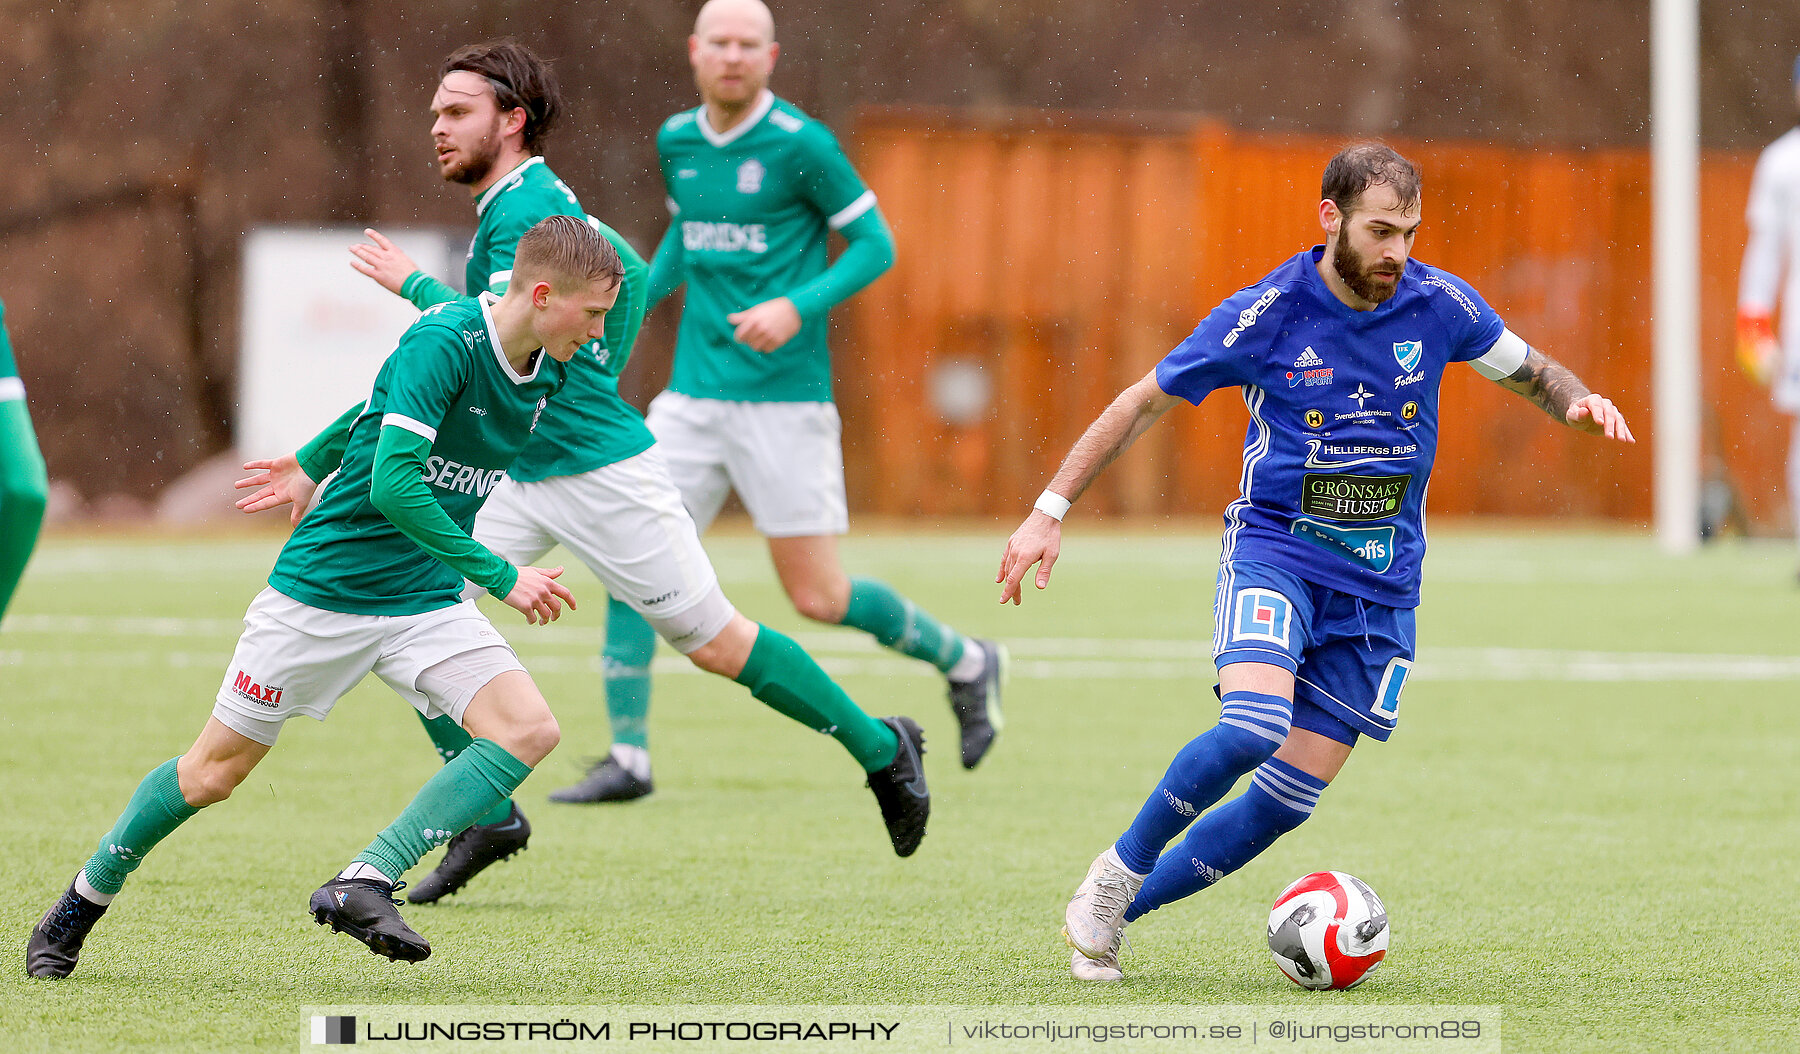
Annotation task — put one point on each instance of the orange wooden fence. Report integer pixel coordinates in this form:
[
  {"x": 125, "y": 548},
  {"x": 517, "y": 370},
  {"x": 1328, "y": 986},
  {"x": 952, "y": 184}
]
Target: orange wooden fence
[{"x": 1062, "y": 257}]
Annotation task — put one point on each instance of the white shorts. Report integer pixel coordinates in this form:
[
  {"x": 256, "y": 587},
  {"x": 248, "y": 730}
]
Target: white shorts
[
  {"x": 297, "y": 659},
  {"x": 785, "y": 460},
  {"x": 625, "y": 521}
]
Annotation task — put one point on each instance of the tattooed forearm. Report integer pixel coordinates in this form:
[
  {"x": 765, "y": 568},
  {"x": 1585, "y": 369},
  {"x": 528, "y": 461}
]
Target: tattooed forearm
[{"x": 1546, "y": 382}]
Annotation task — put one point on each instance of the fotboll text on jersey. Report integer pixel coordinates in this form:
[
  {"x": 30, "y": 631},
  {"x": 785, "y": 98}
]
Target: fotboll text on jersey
[
  {"x": 463, "y": 479},
  {"x": 700, "y": 236}
]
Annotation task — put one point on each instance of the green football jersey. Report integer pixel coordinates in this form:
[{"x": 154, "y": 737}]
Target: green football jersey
[
  {"x": 754, "y": 206},
  {"x": 588, "y": 425},
  {"x": 450, "y": 383}
]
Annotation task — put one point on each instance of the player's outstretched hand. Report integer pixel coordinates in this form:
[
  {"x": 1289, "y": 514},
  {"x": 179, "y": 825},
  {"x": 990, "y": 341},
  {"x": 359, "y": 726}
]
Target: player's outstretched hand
[
  {"x": 538, "y": 596},
  {"x": 1037, "y": 541},
  {"x": 382, "y": 260},
  {"x": 1596, "y": 415},
  {"x": 282, "y": 481},
  {"x": 766, "y": 326}
]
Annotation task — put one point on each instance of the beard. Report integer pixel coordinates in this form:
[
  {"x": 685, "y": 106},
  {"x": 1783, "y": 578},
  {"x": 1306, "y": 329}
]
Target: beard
[
  {"x": 1358, "y": 276},
  {"x": 477, "y": 162}
]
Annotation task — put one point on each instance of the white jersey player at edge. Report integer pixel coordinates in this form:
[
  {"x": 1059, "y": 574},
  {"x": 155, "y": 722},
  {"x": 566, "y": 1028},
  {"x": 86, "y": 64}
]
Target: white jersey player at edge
[{"x": 1771, "y": 274}]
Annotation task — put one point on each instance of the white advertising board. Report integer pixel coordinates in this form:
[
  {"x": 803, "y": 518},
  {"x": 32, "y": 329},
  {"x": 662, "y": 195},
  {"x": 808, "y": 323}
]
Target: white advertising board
[{"x": 315, "y": 331}]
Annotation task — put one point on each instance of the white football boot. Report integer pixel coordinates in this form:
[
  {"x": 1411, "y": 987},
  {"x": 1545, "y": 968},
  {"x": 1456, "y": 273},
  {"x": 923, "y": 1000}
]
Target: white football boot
[
  {"x": 1086, "y": 969},
  {"x": 1095, "y": 918}
]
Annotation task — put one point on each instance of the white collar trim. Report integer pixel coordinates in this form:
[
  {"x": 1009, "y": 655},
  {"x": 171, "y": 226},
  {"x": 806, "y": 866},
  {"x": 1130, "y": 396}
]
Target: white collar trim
[
  {"x": 506, "y": 182},
  {"x": 488, "y": 300},
  {"x": 764, "y": 103}
]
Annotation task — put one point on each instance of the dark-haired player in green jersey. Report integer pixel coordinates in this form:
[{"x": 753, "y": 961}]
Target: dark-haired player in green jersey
[
  {"x": 24, "y": 487},
  {"x": 371, "y": 581},
  {"x": 592, "y": 480},
  {"x": 755, "y": 187}
]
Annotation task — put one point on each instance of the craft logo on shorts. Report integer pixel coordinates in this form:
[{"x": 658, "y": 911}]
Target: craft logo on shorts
[
  {"x": 333, "y": 1030},
  {"x": 1315, "y": 419},
  {"x": 750, "y": 176},
  {"x": 1262, "y": 614},
  {"x": 265, "y": 695}
]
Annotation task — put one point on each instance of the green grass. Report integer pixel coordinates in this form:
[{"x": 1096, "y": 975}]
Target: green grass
[{"x": 1589, "y": 818}]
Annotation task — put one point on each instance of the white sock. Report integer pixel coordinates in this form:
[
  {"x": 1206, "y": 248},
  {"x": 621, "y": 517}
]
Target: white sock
[
  {"x": 88, "y": 893},
  {"x": 971, "y": 665},
  {"x": 635, "y": 760},
  {"x": 364, "y": 869}
]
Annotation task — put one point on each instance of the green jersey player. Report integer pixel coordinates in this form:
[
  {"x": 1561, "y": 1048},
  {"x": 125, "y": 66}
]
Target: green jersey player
[
  {"x": 591, "y": 481},
  {"x": 371, "y": 581},
  {"x": 24, "y": 487},
  {"x": 755, "y": 187}
]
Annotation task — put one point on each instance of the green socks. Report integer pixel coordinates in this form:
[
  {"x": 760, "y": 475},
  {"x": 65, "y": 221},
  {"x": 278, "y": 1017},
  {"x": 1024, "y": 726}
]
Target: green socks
[
  {"x": 156, "y": 808},
  {"x": 625, "y": 664},
  {"x": 899, "y": 624},
  {"x": 783, "y": 676},
  {"x": 461, "y": 792},
  {"x": 450, "y": 740}
]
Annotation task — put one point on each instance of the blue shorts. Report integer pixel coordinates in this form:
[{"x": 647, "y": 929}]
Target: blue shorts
[{"x": 1350, "y": 656}]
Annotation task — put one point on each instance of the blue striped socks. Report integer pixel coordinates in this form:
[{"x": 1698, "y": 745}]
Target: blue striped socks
[
  {"x": 1251, "y": 726},
  {"x": 1280, "y": 798}
]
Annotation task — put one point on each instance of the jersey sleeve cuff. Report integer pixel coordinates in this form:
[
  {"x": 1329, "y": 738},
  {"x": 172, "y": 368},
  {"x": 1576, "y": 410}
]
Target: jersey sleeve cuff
[{"x": 1504, "y": 358}]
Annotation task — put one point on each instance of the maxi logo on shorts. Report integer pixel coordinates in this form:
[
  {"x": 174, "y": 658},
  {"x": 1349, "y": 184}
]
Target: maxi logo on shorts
[
  {"x": 261, "y": 694},
  {"x": 1348, "y": 496}
]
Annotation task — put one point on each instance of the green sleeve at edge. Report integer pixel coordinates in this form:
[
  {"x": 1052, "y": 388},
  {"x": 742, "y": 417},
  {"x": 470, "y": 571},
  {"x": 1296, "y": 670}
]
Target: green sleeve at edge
[
  {"x": 324, "y": 452},
  {"x": 425, "y": 291}
]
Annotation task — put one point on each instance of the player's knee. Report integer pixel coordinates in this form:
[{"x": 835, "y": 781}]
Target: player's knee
[
  {"x": 208, "y": 784},
  {"x": 537, "y": 737},
  {"x": 818, "y": 605},
  {"x": 1246, "y": 748}
]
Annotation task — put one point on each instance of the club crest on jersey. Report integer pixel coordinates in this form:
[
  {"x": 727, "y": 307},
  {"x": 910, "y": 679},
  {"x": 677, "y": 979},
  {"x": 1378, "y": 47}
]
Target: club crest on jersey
[
  {"x": 750, "y": 176},
  {"x": 1262, "y": 614},
  {"x": 1407, "y": 353}
]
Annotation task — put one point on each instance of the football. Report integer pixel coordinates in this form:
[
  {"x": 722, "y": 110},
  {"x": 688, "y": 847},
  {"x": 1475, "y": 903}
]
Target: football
[{"x": 1328, "y": 931}]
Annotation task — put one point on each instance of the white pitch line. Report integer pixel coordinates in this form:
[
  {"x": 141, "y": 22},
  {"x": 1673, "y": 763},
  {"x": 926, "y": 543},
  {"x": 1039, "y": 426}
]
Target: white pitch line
[{"x": 1181, "y": 662}]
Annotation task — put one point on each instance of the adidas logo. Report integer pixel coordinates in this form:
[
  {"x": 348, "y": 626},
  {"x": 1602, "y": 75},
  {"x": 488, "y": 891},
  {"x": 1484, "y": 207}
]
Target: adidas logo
[{"x": 1308, "y": 359}]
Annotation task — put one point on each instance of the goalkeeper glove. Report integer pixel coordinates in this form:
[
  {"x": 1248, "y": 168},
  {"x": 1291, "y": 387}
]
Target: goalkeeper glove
[{"x": 1756, "y": 346}]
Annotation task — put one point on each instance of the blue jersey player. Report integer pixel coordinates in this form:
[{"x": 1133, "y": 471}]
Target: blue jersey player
[{"x": 1339, "y": 353}]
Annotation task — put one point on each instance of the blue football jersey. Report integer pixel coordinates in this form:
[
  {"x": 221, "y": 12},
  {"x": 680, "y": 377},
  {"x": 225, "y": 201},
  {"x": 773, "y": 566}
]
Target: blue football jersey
[{"x": 1343, "y": 418}]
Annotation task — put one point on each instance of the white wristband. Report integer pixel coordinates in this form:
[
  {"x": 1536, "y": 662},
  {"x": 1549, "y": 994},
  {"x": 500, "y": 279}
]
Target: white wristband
[{"x": 1053, "y": 505}]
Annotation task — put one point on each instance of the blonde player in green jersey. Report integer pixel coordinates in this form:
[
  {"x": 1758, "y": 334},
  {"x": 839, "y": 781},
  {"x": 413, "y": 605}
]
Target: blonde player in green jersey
[
  {"x": 592, "y": 480},
  {"x": 371, "y": 581},
  {"x": 755, "y": 187},
  {"x": 24, "y": 487}
]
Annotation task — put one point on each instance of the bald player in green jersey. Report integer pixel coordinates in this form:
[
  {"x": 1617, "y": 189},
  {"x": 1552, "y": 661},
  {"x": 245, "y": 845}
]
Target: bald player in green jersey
[
  {"x": 24, "y": 487},
  {"x": 755, "y": 187},
  {"x": 371, "y": 581},
  {"x": 591, "y": 479}
]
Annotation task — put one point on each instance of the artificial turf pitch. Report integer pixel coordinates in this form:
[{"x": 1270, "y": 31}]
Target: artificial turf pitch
[{"x": 1588, "y": 822}]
